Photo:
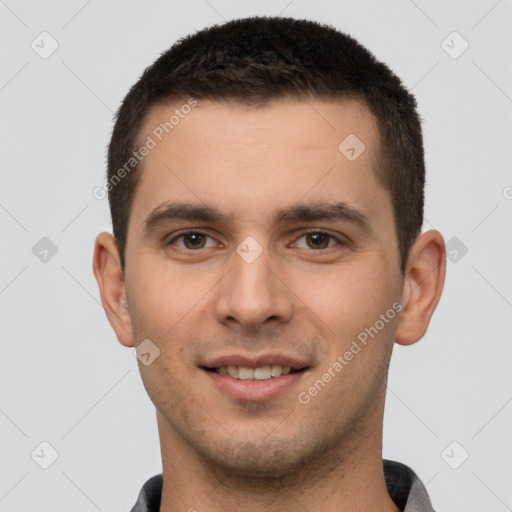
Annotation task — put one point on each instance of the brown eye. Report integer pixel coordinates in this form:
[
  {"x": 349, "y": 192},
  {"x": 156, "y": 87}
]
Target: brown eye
[
  {"x": 318, "y": 240},
  {"x": 192, "y": 240}
]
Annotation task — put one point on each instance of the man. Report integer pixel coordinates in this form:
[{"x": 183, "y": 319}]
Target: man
[{"x": 265, "y": 180}]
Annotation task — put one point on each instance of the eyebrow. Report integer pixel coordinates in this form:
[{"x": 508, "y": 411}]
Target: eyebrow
[{"x": 304, "y": 212}]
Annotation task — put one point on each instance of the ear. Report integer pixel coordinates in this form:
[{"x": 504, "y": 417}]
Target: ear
[
  {"x": 423, "y": 284},
  {"x": 107, "y": 270}
]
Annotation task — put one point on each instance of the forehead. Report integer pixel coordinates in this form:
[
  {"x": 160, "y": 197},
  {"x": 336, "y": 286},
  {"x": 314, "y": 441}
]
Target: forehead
[
  {"x": 284, "y": 121},
  {"x": 248, "y": 158}
]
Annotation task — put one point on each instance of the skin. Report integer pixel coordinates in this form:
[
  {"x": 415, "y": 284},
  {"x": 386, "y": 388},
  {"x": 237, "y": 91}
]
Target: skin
[{"x": 220, "y": 453}]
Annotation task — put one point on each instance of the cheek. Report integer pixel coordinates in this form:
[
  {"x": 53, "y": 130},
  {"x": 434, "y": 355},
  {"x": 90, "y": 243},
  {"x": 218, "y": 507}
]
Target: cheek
[
  {"x": 343, "y": 298},
  {"x": 163, "y": 298},
  {"x": 350, "y": 302}
]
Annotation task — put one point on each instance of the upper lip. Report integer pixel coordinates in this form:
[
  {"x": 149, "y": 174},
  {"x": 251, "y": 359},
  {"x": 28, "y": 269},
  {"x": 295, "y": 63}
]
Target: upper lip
[{"x": 255, "y": 361}]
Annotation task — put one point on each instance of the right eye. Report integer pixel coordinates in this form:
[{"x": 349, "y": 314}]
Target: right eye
[{"x": 192, "y": 240}]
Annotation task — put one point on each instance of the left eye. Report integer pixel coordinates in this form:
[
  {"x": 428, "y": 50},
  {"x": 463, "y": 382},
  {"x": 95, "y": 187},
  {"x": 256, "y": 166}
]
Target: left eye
[
  {"x": 318, "y": 240},
  {"x": 192, "y": 240}
]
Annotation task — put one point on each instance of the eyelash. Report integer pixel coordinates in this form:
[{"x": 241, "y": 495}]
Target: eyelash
[{"x": 304, "y": 233}]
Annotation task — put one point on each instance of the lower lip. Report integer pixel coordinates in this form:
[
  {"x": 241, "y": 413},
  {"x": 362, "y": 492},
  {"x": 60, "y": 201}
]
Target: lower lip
[{"x": 254, "y": 390}]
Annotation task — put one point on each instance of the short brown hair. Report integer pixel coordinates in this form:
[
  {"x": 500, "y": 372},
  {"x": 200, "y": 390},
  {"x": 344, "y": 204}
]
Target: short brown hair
[{"x": 255, "y": 60}]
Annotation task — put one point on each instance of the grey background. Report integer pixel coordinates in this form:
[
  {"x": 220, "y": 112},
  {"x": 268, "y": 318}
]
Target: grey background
[{"x": 64, "y": 378}]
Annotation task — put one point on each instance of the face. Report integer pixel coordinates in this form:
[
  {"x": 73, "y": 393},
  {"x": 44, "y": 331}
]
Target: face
[{"x": 256, "y": 247}]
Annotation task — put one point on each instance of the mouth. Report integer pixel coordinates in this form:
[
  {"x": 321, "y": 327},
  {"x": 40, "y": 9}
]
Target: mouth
[
  {"x": 255, "y": 378},
  {"x": 260, "y": 373}
]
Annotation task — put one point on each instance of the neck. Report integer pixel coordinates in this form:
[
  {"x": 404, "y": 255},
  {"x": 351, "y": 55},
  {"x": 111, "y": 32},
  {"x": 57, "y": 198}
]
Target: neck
[{"x": 345, "y": 478}]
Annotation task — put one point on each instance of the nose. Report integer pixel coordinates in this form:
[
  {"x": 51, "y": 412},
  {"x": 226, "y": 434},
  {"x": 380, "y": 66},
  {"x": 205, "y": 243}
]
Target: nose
[{"x": 253, "y": 294}]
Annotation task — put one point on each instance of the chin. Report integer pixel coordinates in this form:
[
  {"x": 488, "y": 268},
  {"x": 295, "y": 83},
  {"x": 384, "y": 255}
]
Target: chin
[{"x": 264, "y": 460}]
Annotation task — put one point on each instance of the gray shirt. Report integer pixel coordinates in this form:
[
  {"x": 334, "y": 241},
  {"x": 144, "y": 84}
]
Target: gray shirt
[{"x": 404, "y": 487}]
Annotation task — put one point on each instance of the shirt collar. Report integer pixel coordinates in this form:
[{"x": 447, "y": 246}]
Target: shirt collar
[{"x": 404, "y": 487}]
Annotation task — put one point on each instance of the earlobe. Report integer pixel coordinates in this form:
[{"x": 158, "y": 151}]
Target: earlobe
[
  {"x": 423, "y": 285},
  {"x": 107, "y": 270}
]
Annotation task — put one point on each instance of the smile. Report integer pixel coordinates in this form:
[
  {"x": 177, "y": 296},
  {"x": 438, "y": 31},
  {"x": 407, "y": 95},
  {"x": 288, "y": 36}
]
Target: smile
[
  {"x": 258, "y": 384},
  {"x": 261, "y": 373}
]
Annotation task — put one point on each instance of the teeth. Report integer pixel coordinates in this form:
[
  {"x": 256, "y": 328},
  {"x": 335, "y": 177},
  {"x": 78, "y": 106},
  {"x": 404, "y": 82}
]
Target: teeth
[
  {"x": 232, "y": 371},
  {"x": 261, "y": 373},
  {"x": 245, "y": 373},
  {"x": 276, "y": 370}
]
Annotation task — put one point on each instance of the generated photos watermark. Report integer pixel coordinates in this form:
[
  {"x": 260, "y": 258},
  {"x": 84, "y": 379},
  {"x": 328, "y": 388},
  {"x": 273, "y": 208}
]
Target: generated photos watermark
[
  {"x": 157, "y": 135},
  {"x": 304, "y": 397}
]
